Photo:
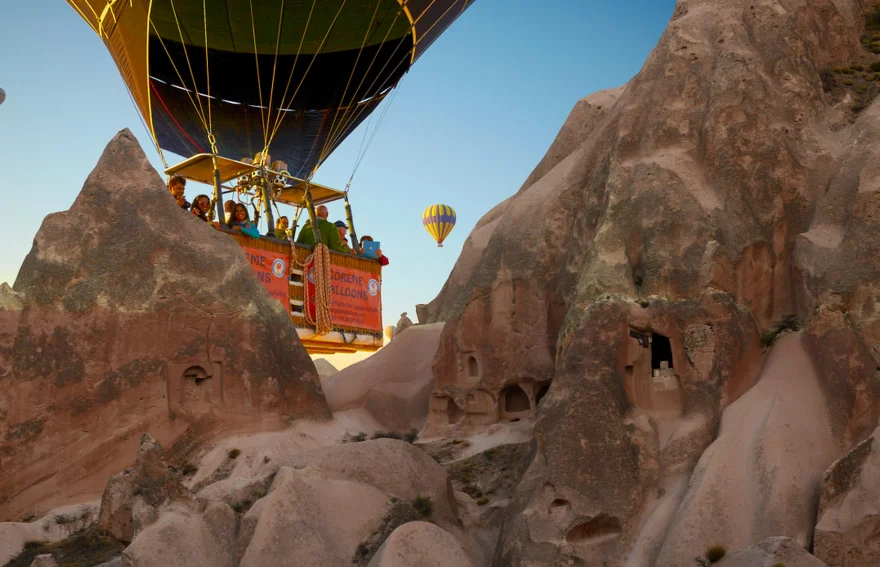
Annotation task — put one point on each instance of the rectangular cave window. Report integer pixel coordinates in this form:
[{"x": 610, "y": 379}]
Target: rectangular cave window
[
  {"x": 661, "y": 351},
  {"x": 473, "y": 367}
]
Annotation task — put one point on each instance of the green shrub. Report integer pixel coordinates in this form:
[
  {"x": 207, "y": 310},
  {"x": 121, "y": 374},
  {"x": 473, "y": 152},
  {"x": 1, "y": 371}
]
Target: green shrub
[
  {"x": 787, "y": 323},
  {"x": 715, "y": 553},
  {"x": 875, "y": 66},
  {"x": 411, "y": 436},
  {"x": 857, "y": 67},
  {"x": 780, "y": 564},
  {"x": 847, "y": 82},
  {"x": 871, "y": 77},
  {"x": 828, "y": 80},
  {"x": 423, "y": 506},
  {"x": 89, "y": 547},
  {"x": 233, "y": 453},
  {"x": 861, "y": 89},
  {"x": 482, "y": 501},
  {"x": 187, "y": 468},
  {"x": 359, "y": 437}
]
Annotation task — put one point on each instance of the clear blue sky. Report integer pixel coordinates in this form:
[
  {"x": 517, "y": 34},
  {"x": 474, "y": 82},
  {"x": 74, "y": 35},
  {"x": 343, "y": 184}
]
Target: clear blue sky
[{"x": 471, "y": 120}]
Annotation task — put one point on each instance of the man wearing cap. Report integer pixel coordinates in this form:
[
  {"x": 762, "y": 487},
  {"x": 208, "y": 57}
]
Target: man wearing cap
[
  {"x": 343, "y": 235},
  {"x": 329, "y": 232}
]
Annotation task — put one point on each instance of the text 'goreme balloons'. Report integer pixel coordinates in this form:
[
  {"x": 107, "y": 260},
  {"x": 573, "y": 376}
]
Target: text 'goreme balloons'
[{"x": 439, "y": 220}]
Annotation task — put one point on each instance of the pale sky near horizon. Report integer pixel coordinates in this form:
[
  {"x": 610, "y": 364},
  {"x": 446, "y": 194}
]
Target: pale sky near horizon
[{"x": 469, "y": 123}]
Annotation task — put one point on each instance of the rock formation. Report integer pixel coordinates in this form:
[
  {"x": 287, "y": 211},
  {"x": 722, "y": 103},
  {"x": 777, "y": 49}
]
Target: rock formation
[
  {"x": 57, "y": 525},
  {"x": 325, "y": 368},
  {"x": 394, "y": 385},
  {"x": 132, "y": 498},
  {"x": 848, "y": 530},
  {"x": 663, "y": 350},
  {"x": 334, "y": 506},
  {"x": 45, "y": 560},
  {"x": 420, "y": 544},
  {"x": 130, "y": 315},
  {"x": 772, "y": 552},
  {"x": 623, "y": 296}
]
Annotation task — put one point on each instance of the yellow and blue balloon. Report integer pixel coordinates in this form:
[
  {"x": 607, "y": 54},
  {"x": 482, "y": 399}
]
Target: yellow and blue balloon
[{"x": 439, "y": 221}]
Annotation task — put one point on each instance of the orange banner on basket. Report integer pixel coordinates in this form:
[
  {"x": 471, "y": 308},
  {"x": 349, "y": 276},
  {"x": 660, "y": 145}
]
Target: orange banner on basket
[
  {"x": 271, "y": 269},
  {"x": 355, "y": 298}
]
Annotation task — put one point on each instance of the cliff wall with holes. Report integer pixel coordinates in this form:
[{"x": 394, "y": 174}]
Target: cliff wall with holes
[{"x": 132, "y": 315}]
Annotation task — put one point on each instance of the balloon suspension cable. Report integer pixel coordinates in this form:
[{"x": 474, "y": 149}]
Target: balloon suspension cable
[{"x": 216, "y": 201}]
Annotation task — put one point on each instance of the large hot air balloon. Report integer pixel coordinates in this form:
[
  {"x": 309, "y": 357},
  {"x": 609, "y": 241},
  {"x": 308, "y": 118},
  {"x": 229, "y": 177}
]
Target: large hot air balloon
[
  {"x": 2, "y": 96},
  {"x": 221, "y": 81},
  {"x": 439, "y": 220},
  {"x": 291, "y": 77}
]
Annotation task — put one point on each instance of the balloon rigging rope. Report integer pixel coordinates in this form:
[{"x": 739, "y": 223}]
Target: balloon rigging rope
[
  {"x": 274, "y": 69},
  {"x": 208, "y": 81},
  {"x": 259, "y": 84},
  {"x": 292, "y": 69},
  {"x": 189, "y": 65},
  {"x": 309, "y": 68},
  {"x": 332, "y": 140},
  {"x": 331, "y": 144},
  {"x": 180, "y": 77},
  {"x": 367, "y": 36}
]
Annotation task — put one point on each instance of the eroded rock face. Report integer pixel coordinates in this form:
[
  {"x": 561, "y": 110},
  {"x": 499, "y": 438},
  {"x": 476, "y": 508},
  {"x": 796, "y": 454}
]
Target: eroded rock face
[
  {"x": 420, "y": 544},
  {"x": 848, "y": 527},
  {"x": 394, "y": 385},
  {"x": 772, "y": 552},
  {"x": 132, "y": 498},
  {"x": 329, "y": 506},
  {"x": 760, "y": 477},
  {"x": 55, "y": 526},
  {"x": 620, "y": 295},
  {"x": 45, "y": 560},
  {"x": 183, "y": 538},
  {"x": 132, "y": 313}
]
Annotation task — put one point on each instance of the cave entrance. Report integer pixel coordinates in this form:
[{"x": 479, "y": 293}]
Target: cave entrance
[
  {"x": 647, "y": 371},
  {"x": 542, "y": 391},
  {"x": 196, "y": 386},
  {"x": 514, "y": 402},
  {"x": 661, "y": 351}
]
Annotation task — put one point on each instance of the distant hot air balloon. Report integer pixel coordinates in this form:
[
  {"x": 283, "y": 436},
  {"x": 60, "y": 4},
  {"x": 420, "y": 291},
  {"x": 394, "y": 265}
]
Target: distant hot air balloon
[
  {"x": 439, "y": 221},
  {"x": 2, "y": 96}
]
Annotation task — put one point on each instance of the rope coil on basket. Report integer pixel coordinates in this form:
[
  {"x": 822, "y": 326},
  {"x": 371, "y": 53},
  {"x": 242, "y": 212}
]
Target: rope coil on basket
[{"x": 321, "y": 269}]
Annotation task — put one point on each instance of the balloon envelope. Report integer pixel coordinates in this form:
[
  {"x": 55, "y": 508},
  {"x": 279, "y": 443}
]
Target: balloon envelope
[
  {"x": 2, "y": 96},
  {"x": 439, "y": 220},
  {"x": 301, "y": 75}
]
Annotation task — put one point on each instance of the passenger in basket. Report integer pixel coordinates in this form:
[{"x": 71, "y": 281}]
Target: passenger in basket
[
  {"x": 281, "y": 228},
  {"x": 328, "y": 231},
  {"x": 227, "y": 207},
  {"x": 177, "y": 185},
  {"x": 241, "y": 221},
  {"x": 383, "y": 260},
  {"x": 200, "y": 207},
  {"x": 343, "y": 235}
]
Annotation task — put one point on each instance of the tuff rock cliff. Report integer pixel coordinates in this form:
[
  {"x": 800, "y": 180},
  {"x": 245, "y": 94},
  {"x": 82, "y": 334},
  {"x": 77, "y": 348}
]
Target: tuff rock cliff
[
  {"x": 729, "y": 192},
  {"x": 130, "y": 315}
]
